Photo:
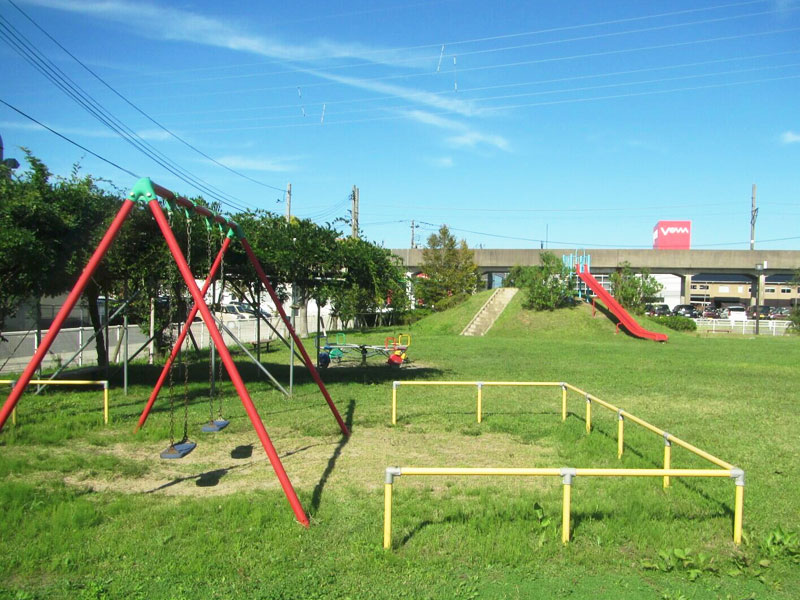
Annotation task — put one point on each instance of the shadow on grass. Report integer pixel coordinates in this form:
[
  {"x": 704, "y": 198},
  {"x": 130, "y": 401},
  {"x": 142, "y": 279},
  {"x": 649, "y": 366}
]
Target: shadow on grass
[
  {"x": 205, "y": 479},
  {"x": 316, "y": 497}
]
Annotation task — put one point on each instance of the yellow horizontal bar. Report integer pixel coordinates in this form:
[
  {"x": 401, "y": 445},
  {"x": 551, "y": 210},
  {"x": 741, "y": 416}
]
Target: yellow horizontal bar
[
  {"x": 57, "y": 382},
  {"x": 575, "y": 389},
  {"x": 701, "y": 453},
  {"x": 652, "y": 473},
  {"x": 485, "y": 471},
  {"x": 436, "y": 383},
  {"x": 556, "y": 472},
  {"x": 524, "y": 383},
  {"x": 603, "y": 403},
  {"x": 642, "y": 422},
  {"x": 484, "y": 383}
]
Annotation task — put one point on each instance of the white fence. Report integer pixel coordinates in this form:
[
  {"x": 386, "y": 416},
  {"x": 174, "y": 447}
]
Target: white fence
[
  {"x": 743, "y": 326},
  {"x": 17, "y": 351}
]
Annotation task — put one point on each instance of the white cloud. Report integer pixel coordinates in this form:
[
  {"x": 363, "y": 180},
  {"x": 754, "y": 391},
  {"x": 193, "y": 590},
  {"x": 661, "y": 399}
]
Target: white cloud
[
  {"x": 790, "y": 137},
  {"x": 431, "y": 119},
  {"x": 183, "y": 25},
  {"x": 186, "y": 26},
  {"x": 466, "y": 137},
  {"x": 250, "y": 163}
]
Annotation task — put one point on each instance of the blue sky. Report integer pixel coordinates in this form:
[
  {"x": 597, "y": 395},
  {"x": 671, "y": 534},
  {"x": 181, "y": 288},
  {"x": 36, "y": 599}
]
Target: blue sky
[{"x": 581, "y": 123}]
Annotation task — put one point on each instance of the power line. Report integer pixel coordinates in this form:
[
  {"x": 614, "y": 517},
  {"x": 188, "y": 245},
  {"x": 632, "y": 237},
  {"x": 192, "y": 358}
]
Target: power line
[
  {"x": 41, "y": 63},
  {"x": 332, "y": 80},
  {"x": 73, "y": 142},
  {"x": 499, "y": 86},
  {"x": 139, "y": 110},
  {"x": 438, "y": 45},
  {"x": 396, "y": 117},
  {"x": 433, "y": 227}
]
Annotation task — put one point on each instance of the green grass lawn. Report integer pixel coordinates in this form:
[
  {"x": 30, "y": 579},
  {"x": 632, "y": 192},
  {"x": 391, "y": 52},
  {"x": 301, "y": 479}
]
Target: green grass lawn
[{"x": 90, "y": 511}]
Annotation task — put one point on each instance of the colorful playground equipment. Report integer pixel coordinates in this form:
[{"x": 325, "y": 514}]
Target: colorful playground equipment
[
  {"x": 580, "y": 262},
  {"x": 568, "y": 474},
  {"x": 148, "y": 194},
  {"x": 393, "y": 349}
]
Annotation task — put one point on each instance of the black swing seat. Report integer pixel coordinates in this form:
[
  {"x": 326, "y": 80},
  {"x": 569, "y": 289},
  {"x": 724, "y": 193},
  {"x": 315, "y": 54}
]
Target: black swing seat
[
  {"x": 178, "y": 450},
  {"x": 216, "y": 425}
]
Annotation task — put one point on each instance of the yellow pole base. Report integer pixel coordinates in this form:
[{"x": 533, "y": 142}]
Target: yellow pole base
[
  {"x": 565, "y": 513},
  {"x": 387, "y": 516},
  {"x": 737, "y": 515}
]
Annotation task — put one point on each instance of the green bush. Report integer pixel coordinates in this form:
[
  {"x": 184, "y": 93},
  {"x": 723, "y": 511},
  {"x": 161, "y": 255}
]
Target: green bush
[
  {"x": 548, "y": 286},
  {"x": 676, "y": 322}
]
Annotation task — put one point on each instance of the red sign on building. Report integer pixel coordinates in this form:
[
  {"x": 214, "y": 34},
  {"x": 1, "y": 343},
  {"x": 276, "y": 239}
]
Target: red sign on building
[{"x": 672, "y": 235}]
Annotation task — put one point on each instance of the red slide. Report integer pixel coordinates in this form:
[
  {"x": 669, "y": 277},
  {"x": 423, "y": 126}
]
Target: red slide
[{"x": 625, "y": 319}]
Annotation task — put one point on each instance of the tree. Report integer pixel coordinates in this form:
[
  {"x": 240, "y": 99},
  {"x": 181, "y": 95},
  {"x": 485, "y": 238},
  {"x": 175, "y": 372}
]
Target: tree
[
  {"x": 449, "y": 267},
  {"x": 372, "y": 283},
  {"x": 633, "y": 291},
  {"x": 549, "y": 286},
  {"x": 50, "y": 227}
]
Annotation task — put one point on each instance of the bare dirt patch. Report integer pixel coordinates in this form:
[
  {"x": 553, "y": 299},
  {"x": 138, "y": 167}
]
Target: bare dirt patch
[{"x": 233, "y": 463}]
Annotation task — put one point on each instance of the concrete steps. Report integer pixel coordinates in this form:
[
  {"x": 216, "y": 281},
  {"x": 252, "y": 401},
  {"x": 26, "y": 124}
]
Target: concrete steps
[{"x": 488, "y": 313}]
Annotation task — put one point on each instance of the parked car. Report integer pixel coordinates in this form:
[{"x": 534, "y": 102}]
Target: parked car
[
  {"x": 781, "y": 313},
  {"x": 657, "y": 310},
  {"x": 232, "y": 312},
  {"x": 763, "y": 312},
  {"x": 252, "y": 311},
  {"x": 685, "y": 310},
  {"x": 709, "y": 312},
  {"x": 734, "y": 313}
]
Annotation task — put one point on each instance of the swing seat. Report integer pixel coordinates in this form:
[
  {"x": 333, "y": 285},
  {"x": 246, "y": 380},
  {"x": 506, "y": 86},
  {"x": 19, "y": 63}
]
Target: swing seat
[
  {"x": 216, "y": 425},
  {"x": 178, "y": 450}
]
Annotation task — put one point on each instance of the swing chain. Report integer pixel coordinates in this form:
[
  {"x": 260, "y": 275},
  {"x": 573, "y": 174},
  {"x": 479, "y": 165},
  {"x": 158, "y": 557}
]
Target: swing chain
[
  {"x": 210, "y": 341},
  {"x": 222, "y": 278},
  {"x": 172, "y": 278},
  {"x": 186, "y": 363}
]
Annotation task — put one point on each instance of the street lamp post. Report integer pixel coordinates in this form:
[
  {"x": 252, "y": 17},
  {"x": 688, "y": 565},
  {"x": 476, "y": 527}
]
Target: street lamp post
[{"x": 759, "y": 269}]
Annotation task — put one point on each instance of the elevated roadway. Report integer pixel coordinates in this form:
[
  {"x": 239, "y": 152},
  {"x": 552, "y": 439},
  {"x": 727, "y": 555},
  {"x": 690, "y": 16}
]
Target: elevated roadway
[{"x": 683, "y": 263}]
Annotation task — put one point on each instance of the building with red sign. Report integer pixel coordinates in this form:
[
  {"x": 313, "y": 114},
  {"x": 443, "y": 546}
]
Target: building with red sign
[{"x": 672, "y": 235}]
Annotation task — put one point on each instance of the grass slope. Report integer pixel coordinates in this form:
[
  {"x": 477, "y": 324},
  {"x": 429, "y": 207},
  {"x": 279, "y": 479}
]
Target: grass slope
[{"x": 91, "y": 512}]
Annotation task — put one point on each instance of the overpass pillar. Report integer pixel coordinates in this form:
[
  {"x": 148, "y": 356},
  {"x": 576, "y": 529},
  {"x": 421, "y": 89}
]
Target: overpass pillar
[{"x": 686, "y": 289}]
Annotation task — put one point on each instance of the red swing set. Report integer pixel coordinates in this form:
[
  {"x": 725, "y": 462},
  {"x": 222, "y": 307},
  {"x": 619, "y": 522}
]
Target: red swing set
[{"x": 148, "y": 193}]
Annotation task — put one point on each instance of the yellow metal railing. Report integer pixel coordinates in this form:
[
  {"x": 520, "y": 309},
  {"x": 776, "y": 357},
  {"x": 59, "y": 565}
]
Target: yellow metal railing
[
  {"x": 102, "y": 382},
  {"x": 567, "y": 474}
]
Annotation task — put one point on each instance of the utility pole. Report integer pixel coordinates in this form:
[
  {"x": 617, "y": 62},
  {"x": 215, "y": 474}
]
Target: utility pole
[
  {"x": 413, "y": 227},
  {"x": 289, "y": 203},
  {"x": 354, "y": 213},
  {"x": 753, "y": 215}
]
